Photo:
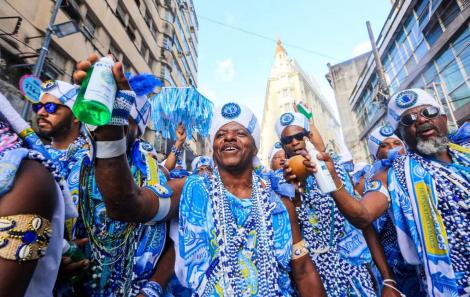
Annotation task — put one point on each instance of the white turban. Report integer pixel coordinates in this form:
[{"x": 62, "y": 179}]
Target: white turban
[
  {"x": 201, "y": 161},
  {"x": 276, "y": 148},
  {"x": 234, "y": 112},
  {"x": 379, "y": 135},
  {"x": 291, "y": 119},
  {"x": 65, "y": 92},
  {"x": 140, "y": 112},
  {"x": 407, "y": 99}
]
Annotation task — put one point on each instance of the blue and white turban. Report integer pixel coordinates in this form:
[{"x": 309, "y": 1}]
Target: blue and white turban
[
  {"x": 65, "y": 92},
  {"x": 234, "y": 112},
  {"x": 276, "y": 148},
  {"x": 201, "y": 161},
  {"x": 407, "y": 99},
  {"x": 377, "y": 136},
  {"x": 140, "y": 112},
  {"x": 291, "y": 119}
]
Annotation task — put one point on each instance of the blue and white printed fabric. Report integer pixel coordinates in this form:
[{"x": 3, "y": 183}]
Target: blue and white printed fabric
[
  {"x": 430, "y": 211},
  {"x": 198, "y": 247},
  {"x": 338, "y": 250}
]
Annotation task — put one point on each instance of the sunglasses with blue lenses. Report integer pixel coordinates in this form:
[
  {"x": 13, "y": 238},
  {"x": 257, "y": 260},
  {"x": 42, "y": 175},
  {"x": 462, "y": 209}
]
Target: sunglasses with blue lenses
[
  {"x": 50, "y": 107},
  {"x": 299, "y": 136}
]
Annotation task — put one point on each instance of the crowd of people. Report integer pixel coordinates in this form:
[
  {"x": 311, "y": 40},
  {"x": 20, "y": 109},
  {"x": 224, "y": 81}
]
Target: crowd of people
[{"x": 94, "y": 213}]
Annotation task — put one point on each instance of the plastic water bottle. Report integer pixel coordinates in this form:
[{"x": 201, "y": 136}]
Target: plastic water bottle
[
  {"x": 323, "y": 175},
  {"x": 70, "y": 249},
  {"x": 95, "y": 100}
]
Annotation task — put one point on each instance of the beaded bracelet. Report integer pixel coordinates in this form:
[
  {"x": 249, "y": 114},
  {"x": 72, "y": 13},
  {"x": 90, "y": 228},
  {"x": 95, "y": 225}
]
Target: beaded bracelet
[
  {"x": 299, "y": 250},
  {"x": 122, "y": 108},
  {"x": 152, "y": 289},
  {"x": 176, "y": 151}
]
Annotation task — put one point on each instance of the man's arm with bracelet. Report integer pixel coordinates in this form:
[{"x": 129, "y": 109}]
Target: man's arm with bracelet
[
  {"x": 162, "y": 274},
  {"x": 176, "y": 149},
  {"x": 360, "y": 213},
  {"x": 306, "y": 277},
  {"x": 380, "y": 261}
]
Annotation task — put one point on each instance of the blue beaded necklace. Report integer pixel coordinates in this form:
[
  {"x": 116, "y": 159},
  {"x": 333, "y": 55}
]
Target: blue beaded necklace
[{"x": 231, "y": 238}]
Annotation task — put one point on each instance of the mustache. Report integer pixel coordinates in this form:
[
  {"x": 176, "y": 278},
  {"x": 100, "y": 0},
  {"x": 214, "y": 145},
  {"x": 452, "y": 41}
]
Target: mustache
[
  {"x": 425, "y": 126},
  {"x": 41, "y": 118}
]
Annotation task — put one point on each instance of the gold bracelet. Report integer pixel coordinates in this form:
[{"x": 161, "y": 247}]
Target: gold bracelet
[
  {"x": 299, "y": 250},
  {"x": 340, "y": 187},
  {"x": 24, "y": 237}
]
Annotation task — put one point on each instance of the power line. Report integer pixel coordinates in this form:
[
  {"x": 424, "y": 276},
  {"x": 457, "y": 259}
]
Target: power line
[{"x": 266, "y": 37}]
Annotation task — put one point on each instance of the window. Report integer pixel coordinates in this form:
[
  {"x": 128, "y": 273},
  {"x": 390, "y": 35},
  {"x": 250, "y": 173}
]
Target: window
[
  {"x": 121, "y": 14},
  {"x": 465, "y": 60},
  {"x": 114, "y": 50},
  {"x": 452, "y": 76},
  {"x": 460, "y": 96},
  {"x": 421, "y": 50},
  {"x": 430, "y": 74},
  {"x": 449, "y": 13},
  {"x": 433, "y": 34},
  {"x": 462, "y": 40},
  {"x": 89, "y": 25},
  {"x": 130, "y": 30}
]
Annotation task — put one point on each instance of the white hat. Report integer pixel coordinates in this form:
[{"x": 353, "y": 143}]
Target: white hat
[
  {"x": 140, "y": 112},
  {"x": 201, "y": 161},
  {"x": 276, "y": 148},
  {"x": 377, "y": 136},
  {"x": 65, "y": 92},
  {"x": 291, "y": 119},
  {"x": 234, "y": 112},
  {"x": 407, "y": 99}
]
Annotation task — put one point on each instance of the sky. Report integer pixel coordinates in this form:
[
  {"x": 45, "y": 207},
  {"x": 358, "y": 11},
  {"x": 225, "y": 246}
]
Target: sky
[{"x": 234, "y": 65}]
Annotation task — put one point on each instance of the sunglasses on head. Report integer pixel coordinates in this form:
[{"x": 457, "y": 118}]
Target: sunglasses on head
[
  {"x": 288, "y": 139},
  {"x": 429, "y": 112},
  {"x": 50, "y": 107}
]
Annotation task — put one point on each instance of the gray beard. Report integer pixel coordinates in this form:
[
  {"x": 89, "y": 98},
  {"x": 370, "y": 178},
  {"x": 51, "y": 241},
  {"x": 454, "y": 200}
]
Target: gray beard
[{"x": 432, "y": 146}]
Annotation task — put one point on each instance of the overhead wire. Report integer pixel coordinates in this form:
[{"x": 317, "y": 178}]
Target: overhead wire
[{"x": 261, "y": 36}]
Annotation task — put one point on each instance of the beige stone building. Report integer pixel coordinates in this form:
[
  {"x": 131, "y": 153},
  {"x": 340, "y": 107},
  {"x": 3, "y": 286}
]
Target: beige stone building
[
  {"x": 288, "y": 84},
  {"x": 148, "y": 36}
]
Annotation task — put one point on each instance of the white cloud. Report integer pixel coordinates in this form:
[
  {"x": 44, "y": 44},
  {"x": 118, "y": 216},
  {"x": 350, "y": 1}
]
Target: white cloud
[
  {"x": 361, "y": 48},
  {"x": 225, "y": 70}
]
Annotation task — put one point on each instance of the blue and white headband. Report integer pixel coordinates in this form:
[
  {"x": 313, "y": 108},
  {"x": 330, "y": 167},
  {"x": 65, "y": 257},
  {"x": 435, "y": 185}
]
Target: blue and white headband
[
  {"x": 65, "y": 92},
  {"x": 291, "y": 119},
  {"x": 378, "y": 135},
  {"x": 407, "y": 99},
  {"x": 234, "y": 112}
]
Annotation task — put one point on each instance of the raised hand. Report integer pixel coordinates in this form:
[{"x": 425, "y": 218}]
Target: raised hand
[{"x": 84, "y": 66}]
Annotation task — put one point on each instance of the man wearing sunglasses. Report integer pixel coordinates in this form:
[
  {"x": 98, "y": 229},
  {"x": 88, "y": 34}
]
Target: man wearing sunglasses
[
  {"x": 427, "y": 192},
  {"x": 338, "y": 250}
]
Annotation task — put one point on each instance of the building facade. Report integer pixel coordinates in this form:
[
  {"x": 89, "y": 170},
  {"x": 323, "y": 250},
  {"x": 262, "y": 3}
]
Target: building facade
[
  {"x": 148, "y": 36},
  {"x": 424, "y": 44},
  {"x": 342, "y": 78},
  {"x": 288, "y": 84}
]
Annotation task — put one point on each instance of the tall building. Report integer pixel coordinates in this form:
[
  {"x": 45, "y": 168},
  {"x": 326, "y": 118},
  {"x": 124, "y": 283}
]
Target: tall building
[
  {"x": 424, "y": 44},
  {"x": 342, "y": 78},
  {"x": 288, "y": 84},
  {"x": 148, "y": 36}
]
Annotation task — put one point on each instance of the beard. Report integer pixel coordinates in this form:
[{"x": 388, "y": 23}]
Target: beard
[{"x": 432, "y": 146}]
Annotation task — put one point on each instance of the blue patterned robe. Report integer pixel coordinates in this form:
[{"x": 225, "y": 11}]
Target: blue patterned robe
[{"x": 198, "y": 248}]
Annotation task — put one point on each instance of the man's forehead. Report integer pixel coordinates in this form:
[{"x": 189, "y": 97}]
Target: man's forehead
[
  {"x": 291, "y": 130},
  {"x": 49, "y": 98}
]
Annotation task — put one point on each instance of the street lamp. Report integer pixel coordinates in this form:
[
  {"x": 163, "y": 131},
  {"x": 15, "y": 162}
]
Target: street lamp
[
  {"x": 60, "y": 30},
  {"x": 64, "y": 29}
]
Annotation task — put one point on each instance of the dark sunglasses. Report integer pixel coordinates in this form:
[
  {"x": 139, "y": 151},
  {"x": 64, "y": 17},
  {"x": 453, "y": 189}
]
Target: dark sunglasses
[
  {"x": 50, "y": 107},
  {"x": 288, "y": 139},
  {"x": 429, "y": 112}
]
